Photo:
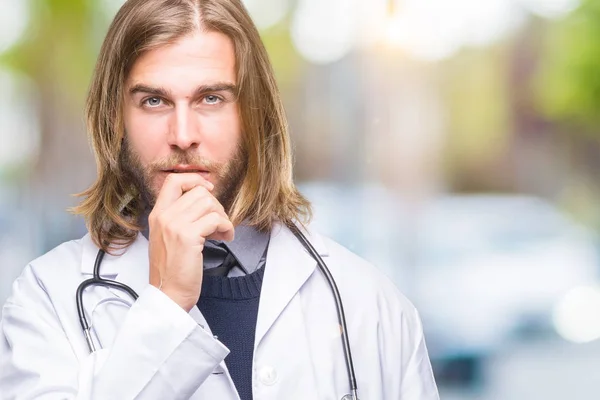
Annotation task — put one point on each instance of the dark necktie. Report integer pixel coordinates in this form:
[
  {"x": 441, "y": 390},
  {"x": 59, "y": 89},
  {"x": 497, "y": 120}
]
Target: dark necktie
[{"x": 228, "y": 263}]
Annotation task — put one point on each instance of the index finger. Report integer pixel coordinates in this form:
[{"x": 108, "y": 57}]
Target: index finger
[{"x": 175, "y": 185}]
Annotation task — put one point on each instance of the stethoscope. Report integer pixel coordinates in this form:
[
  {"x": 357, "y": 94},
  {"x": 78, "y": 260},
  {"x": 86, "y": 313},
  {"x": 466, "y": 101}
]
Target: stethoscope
[{"x": 97, "y": 280}]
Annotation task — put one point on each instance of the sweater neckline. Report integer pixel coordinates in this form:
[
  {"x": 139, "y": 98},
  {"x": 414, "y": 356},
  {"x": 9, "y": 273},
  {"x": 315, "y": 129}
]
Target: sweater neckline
[{"x": 233, "y": 288}]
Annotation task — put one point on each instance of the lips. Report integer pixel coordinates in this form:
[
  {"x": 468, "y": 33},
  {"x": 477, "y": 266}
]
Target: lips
[{"x": 180, "y": 169}]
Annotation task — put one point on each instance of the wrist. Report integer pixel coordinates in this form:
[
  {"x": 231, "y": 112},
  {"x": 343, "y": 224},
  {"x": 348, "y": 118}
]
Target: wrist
[{"x": 185, "y": 301}]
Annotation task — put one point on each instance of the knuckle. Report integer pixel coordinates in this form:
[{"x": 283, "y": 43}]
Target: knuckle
[
  {"x": 211, "y": 202},
  {"x": 207, "y": 203},
  {"x": 200, "y": 191},
  {"x": 212, "y": 220},
  {"x": 214, "y": 204}
]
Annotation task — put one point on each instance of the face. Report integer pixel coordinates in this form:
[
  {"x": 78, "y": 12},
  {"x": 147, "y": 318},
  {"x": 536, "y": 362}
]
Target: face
[{"x": 181, "y": 116}]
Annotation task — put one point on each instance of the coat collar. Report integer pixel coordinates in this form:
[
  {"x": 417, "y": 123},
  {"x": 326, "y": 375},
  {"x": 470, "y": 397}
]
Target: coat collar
[
  {"x": 131, "y": 262},
  {"x": 135, "y": 257},
  {"x": 288, "y": 267}
]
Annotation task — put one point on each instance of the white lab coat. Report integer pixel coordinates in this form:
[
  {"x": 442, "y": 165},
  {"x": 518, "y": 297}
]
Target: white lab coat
[{"x": 155, "y": 350}]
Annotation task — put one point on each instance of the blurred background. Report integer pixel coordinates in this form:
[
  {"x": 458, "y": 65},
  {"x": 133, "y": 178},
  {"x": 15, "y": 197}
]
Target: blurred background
[{"x": 453, "y": 143}]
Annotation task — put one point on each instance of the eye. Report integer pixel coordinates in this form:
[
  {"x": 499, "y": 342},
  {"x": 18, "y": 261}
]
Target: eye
[
  {"x": 211, "y": 99},
  {"x": 152, "y": 102}
]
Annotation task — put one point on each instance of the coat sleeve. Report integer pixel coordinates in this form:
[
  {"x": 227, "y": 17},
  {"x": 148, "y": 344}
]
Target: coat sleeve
[
  {"x": 403, "y": 353},
  {"x": 149, "y": 359},
  {"x": 417, "y": 382}
]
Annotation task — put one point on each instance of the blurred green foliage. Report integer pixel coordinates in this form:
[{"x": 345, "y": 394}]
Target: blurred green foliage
[
  {"x": 57, "y": 51},
  {"x": 57, "y": 54},
  {"x": 476, "y": 91},
  {"x": 64, "y": 36},
  {"x": 287, "y": 63},
  {"x": 568, "y": 83}
]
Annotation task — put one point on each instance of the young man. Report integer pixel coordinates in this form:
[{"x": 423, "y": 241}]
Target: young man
[{"x": 191, "y": 143}]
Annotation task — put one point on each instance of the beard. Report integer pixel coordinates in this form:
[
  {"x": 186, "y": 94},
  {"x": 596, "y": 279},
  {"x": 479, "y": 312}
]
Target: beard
[{"x": 229, "y": 175}]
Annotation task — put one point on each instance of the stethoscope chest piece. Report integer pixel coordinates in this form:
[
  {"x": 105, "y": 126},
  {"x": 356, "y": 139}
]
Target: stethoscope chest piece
[{"x": 349, "y": 397}]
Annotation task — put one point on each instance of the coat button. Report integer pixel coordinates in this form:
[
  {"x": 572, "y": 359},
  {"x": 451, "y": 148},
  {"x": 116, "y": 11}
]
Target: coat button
[{"x": 267, "y": 375}]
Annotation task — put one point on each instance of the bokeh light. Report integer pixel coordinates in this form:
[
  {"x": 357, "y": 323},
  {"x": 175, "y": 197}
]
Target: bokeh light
[
  {"x": 266, "y": 13},
  {"x": 20, "y": 134},
  {"x": 435, "y": 29},
  {"x": 324, "y": 32},
  {"x": 577, "y": 315},
  {"x": 14, "y": 17},
  {"x": 550, "y": 8}
]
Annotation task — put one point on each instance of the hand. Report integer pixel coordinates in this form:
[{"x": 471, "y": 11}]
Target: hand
[{"x": 185, "y": 215}]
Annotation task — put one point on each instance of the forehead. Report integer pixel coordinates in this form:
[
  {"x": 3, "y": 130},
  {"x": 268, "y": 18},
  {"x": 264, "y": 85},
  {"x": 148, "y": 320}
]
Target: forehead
[{"x": 195, "y": 59}]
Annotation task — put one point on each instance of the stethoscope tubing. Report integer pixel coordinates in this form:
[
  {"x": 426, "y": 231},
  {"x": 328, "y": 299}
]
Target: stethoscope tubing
[
  {"x": 97, "y": 280},
  {"x": 338, "y": 305}
]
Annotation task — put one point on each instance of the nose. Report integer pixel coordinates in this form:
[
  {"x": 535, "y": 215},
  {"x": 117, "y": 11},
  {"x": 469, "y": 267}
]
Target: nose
[{"x": 183, "y": 130}]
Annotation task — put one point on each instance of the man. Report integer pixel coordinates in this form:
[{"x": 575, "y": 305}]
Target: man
[{"x": 191, "y": 143}]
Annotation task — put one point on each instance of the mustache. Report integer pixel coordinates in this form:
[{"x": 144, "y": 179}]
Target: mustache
[{"x": 184, "y": 158}]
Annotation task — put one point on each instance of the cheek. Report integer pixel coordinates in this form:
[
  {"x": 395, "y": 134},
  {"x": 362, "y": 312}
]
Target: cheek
[
  {"x": 145, "y": 135},
  {"x": 225, "y": 134}
]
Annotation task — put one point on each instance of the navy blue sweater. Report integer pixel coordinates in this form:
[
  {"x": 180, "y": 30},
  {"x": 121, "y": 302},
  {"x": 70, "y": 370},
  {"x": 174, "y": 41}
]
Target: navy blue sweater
[{"x": 230, "y": 306}]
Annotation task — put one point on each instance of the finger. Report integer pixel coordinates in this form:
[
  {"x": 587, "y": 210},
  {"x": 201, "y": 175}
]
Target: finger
[
  {"x": 214, "y": 226},
  {"x": 183, "y": 217},
  {"x": 176, "y": 185},
  {"x": 196, "y": 203},
  {"x": 222, "y": 236}
]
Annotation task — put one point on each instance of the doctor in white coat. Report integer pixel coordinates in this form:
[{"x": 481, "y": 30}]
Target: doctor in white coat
[{"x": 191, "y": 143}]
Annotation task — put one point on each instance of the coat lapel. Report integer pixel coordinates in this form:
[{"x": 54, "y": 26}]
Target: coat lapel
[
  {"x": 288, "y": 267},
  {"x": 129, "y": 267}
]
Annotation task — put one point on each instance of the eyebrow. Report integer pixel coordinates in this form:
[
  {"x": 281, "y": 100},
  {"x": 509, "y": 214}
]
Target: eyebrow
[{"x": 200, "y": 90}]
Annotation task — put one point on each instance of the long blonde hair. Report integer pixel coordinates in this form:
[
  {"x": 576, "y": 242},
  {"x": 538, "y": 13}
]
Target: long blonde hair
[{"x": 267, "y": 192}]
